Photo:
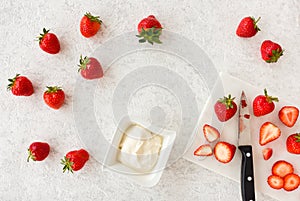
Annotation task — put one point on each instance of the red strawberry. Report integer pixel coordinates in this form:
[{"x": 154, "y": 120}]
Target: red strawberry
[
  {"x": 90, "y": 68},
  {"x": 54, "y": 97},
  {"x": 293, "y": 143},
  {"x": 20, "y": 86},
  {"x": 267, "y": 153},
  {"x": 225, "y": 108},
  {"x": 282, "y": 168},
  {"x": 288, "y": 115},
  {"x": 49, "y": 42},
  {"x": 149, "y": 30},
  {"x": 89, "y": 25},
  {"x": 275, "y": 182},
  {"x": 210, "y": 133},
  {"x": 247, "y": 27},
  {"x": 268, "y": 133},
  {"x": 75, "y": 160},
  {"x": 270, "y": 51},
  {"x": 263, "y": 104},
  {"x": 38, "y": 151},
  {"x": 224, "y": 152},
  {"x": 291, "y": 182},
  {"x": 203, "y": 150}
]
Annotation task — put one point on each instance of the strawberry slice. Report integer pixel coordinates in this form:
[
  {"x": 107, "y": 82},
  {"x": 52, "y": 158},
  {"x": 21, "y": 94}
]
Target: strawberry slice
[
  {"x": 268, "y": 133},
  {"x": 224, "y": 152},
  {"x": 210, "y": 133},
  {"x": 291, "y": 182},
  {"x": 275, "y": 182},
  {"x": 282, "y": 168},
  {"x": 267, "y": 153},
  {"x": 288, "y": 115},
  {"x": 203, "y": 150}
]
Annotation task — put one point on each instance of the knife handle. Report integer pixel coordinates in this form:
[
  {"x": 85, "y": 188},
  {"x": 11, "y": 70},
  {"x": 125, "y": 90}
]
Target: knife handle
[{"x": 247, "y": 174}]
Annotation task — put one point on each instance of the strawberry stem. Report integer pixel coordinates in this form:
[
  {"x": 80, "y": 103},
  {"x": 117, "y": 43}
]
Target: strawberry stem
[
  {"x": 227, "y": 101},
  {"x": 67, "y": 165},
  {"x": 297, "y": 136},
  {"x": 83, "y": 62},
  {"x": 30, "y": 156},
  {"x": 276, "y": 54},
  {"x": 150, "y": 35},
  {"x": 93, "y": 18},
  {"x": 270, "y": 99},
  {"x": 12, "y": 82},
  {"x": 41, "y": 36},
  {"x": 255, "y": 23},
  {"x": 53, "y": 89}
]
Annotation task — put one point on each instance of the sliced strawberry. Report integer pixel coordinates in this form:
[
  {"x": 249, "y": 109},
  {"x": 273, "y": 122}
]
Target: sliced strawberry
[
  {"x": 288, "y": 115},
  {"x": 282, "y": 168},
  {"x": 267, "y": 153},
  {"x": 268, "y": 133},
  {"x": 210, "y": 133},
  {"x": 224, "y": 152},
  {"x": 203, "y": 150},
  {"x": 275, "y": 182},
  {"x": 291, "y": 182}
]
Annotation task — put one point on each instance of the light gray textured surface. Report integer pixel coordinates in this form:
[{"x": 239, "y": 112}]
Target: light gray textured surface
[{"x": 210, "y": 24}]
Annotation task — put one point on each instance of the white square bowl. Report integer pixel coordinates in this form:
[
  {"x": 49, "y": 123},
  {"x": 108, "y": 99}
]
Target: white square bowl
[{"x": 147, "y": 179}]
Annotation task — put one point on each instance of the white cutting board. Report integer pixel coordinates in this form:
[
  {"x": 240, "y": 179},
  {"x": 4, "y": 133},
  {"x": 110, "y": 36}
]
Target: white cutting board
[{"x": 229, "y": 132}]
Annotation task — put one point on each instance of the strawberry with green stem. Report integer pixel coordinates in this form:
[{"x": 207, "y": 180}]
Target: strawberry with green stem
[
  {"x": 90, "y": 25},
  {"x": 49, "y": 42},
  {"x": 54, "y": 97},
  {"x": 225, "y": 108},
  {"x": 20, "y": 86},
  {"x": 38, "y": 151},
  {"x": 90, "y": 68},
  {"x": 75, "y": 160},
  {"x": 247, "y": 27},
  {"x": 264, "y": 104},
  {"x": 293, "y": 143},
  {"x": 270, "y": 51},
  {"x": 149, "y": 30}
]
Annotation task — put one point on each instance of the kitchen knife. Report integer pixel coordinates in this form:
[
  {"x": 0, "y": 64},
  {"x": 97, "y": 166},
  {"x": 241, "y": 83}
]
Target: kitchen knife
[{"x": 244, "y": 145}]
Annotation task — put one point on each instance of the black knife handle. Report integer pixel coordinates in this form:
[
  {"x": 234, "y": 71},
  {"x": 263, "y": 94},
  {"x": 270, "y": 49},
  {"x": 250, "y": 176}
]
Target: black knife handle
[{"x": 247, "y": 174}]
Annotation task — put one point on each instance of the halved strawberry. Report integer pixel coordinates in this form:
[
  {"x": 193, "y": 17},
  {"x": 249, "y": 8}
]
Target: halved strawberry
[
  {"x": 203, "y": 150},
  {"x": 275, "y": 182},
  {"x": 210, "y": 133},
  {"x": 282, "y": 168},
  {"x": 267, "y": 153},
  {"x": 268, "y": 133},
  {"x": 291, "y": 182},
  {"x": 288, "y": 115},
  {"x": 224, "y": 152}
]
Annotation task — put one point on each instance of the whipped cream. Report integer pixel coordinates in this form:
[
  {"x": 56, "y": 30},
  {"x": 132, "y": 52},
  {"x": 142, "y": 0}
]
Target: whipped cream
[{"x": 139, "y": 148}]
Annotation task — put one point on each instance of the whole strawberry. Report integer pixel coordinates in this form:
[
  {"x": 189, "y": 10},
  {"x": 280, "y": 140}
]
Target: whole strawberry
[
  {"x": 54, "y": 97},
  {"x": 89, "y": 25},
  {"x": 75, "y": 160},
  {"x": 38, "y": 151},
  {"x": 149, "y": 30},
  {"x": 225, "y": 108},
  {"x": 49, "y": 42},
  {"x": 270, "y": 51},
  {"x": 293, "y": 143},
  {"x": 247, "y": 27},
  {"x": 20, "y": 86},
  {"x": 90, "y": 68},
  {"x": 263, "y": 104}
]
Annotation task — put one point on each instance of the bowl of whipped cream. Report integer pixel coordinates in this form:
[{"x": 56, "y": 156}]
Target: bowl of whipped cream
[{"x": 138, "y": 152}]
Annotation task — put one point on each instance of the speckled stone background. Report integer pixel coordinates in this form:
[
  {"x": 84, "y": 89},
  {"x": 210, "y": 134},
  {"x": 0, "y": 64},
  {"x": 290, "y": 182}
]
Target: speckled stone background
[{"x": 209, "y": 24}]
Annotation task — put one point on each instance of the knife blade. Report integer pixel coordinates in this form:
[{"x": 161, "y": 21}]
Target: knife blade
[{"x": 244, "y": 145}]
